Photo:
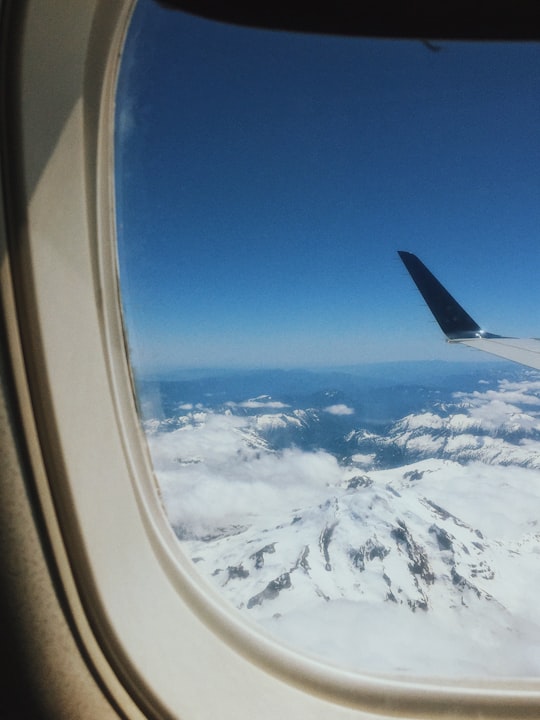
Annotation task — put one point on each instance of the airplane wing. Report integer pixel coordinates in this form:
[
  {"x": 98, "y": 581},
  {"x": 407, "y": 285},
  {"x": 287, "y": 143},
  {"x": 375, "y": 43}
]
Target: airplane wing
[{"x": 458, "y": 325}]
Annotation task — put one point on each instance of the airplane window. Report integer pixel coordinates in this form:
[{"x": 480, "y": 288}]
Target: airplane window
[{"x": 363, "y": 490}]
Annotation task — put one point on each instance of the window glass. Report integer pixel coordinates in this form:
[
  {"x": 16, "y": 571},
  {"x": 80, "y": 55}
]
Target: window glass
[{"x": 363, "y": 490}]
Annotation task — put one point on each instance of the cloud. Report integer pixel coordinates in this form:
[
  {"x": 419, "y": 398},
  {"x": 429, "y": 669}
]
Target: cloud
[
  {"x": 217, "y": 469},
  {"x": 220, "y": 473},
  {"x": 511, "y": 407},
  {"x": 363, "y": 459},
  {"x": 262, "y": 404},
  {"x": 339, "y": 410},
  {"x": 262, "y": 401},
  {"x": 507, "y": 392}
]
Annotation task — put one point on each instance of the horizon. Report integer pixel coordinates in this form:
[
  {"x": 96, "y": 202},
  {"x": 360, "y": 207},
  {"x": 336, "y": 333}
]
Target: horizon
[{"x": 488, "y": 364}]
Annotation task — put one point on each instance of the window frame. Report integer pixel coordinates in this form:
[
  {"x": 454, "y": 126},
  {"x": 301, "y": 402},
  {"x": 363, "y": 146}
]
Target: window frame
[{"x": 153, "y": 630}]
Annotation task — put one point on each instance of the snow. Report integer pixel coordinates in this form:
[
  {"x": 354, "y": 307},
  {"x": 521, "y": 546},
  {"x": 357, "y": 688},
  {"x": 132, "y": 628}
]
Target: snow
[
  {"x": 344, "y": 613},
  {"x": 430, "y": 568},
  {"x": 273, "y": 422}
]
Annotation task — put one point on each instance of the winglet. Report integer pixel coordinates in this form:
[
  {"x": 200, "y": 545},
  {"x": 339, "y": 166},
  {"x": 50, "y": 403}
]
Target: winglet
[{"x": 454, "y": 321}]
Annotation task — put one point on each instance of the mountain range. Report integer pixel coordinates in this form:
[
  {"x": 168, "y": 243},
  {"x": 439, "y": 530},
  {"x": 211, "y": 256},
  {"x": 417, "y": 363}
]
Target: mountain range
[{"x": 387, "y": 544}]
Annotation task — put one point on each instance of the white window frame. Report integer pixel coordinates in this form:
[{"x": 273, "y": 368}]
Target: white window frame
[{"x": 162, "y": 640}]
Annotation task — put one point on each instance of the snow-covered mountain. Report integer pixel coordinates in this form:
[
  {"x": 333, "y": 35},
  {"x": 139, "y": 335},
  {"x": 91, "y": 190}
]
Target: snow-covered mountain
[
  {"x": 429, "y": 566},
  {"x": 499, "y": 427}
]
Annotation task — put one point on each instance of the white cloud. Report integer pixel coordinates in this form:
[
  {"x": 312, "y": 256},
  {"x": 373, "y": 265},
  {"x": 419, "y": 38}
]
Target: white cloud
[
  {"x": 511, "y": 407},
  {"x": 235, "y": 475},
  {"x": 262, "y": 404},
  {"x": 363, "y": 459},
  {"x": 339, "y": 410}
]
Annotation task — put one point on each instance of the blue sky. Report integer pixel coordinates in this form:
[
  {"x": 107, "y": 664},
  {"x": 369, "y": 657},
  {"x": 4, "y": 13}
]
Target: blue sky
[{"x": 265, "y": 182}]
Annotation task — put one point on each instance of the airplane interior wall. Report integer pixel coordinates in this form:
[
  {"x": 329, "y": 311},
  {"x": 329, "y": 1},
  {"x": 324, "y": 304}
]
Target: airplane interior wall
[{"x": 43, "y": 672}]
